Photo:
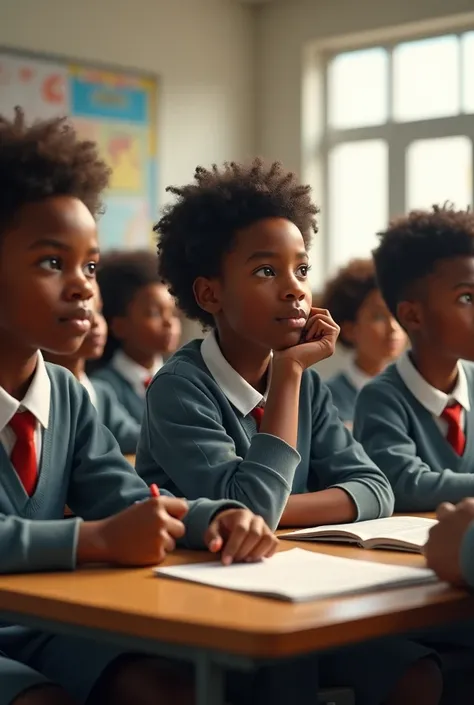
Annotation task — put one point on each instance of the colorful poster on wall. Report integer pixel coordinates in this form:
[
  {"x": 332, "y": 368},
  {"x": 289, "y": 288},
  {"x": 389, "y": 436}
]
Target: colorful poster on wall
[{"x": 116, "y": 109}]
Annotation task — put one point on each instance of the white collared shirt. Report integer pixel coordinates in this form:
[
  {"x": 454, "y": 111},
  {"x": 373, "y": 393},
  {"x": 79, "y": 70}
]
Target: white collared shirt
[
  {"x": 355, "y": 375},
  {"x": 434, "y": 400},
  {"x": 87, "y": 384},
  {"x": 237, "y": 390},
  {"x": 36, "y": 400},
  {"x": 135, "y": 374}
]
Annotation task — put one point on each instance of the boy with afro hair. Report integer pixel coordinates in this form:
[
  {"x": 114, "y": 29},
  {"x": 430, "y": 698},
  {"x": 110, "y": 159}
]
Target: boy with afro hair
[{"x": 242, "y": 414}]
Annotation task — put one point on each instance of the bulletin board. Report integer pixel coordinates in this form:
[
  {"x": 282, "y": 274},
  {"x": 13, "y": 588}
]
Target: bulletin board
[{"x": 117, "y": 109}]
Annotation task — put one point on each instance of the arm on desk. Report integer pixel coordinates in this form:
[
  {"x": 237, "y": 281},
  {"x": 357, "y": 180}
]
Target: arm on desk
[
  {"x": 333, "y": 506},
  {"x": 352, "y": 487},
  {"x": 103, "y": 490}
]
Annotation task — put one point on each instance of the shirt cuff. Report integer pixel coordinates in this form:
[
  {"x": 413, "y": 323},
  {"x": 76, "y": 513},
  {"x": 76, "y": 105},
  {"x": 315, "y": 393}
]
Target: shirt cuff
[{"x": 200, "y": 514}]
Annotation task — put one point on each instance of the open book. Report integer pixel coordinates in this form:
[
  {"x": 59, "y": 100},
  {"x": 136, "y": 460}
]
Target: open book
[
  {"x": 298, "y": 575},
  {"x": 399, "y": 533}
]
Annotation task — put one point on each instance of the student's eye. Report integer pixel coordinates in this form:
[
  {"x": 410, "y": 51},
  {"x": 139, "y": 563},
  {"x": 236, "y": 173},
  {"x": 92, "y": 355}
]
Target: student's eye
[
  {"x": 90, "y": 269},
  {"x": 303, "y": 270},
  {"x": 51, "y": 263},
  {"x": 465, "y": 299},
  {"x": 265, "y": 272}
]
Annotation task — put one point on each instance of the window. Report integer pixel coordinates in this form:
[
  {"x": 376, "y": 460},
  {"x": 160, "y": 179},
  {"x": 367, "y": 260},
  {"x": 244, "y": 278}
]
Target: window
[
  {"x": 358, "y": 89},
  {"x": 399, "y": 135},
  {"x": 439, "y": 170},
  {"x": 354, "y": 226},
  {"x": 426, "y": 79}
]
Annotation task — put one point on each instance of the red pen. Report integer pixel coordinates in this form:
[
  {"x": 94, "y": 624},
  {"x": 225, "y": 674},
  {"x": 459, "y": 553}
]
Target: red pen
[{"x": 154, "y": 490}]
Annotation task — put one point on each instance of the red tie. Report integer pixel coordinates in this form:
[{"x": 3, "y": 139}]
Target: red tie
[
  {"x": 456, "y": 437},
  {"x": 257, "y": 413},
  {"x": 23, "y": 456},
  {"x": 146, "y": 382}
]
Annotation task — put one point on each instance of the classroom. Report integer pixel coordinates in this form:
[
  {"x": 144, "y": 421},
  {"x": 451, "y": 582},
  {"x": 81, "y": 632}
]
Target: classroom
[{"x": 236, "y": 352}]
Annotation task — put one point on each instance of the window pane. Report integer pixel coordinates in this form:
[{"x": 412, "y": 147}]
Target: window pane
[
  {"x": 426, "y": 79},
  {"x": 439, "y": 170},
  {"x": 467, "y": 74},
  {"x": 358, "y": 198},
  {"x": 357, "y": 88}
]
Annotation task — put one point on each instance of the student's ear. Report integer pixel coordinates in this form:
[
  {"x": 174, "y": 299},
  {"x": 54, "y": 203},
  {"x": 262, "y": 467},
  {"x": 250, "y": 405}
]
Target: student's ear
[
  {"x": 410, "y": 315},
  {"x": 348, "y": 331},
  {"x": 207, "y": 294}
]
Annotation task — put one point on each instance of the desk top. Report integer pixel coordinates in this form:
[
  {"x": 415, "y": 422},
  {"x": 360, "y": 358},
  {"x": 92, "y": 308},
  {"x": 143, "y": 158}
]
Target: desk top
[{"x": 139, "y": 604}]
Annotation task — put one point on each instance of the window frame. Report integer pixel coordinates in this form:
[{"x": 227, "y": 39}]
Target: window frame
[{"x": 397, "y": 135}]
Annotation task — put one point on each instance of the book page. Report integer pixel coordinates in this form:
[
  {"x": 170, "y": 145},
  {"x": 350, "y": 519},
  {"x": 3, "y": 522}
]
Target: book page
[
  {"x": 402, "y": 528},
  {"x": 298, "y": 575}
]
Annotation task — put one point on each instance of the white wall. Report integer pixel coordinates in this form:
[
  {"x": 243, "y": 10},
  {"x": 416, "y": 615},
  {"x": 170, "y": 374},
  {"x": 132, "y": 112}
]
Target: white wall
[{"x": 203, "y": 51}]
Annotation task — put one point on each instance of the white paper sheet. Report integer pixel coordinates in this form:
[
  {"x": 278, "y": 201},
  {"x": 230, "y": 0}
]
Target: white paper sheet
[{"x": 298, "y": 575}]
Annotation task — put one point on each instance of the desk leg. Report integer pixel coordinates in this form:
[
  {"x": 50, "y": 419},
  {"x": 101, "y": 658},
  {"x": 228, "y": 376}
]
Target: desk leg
[
  {"x": 284, "y": 682},
  {"x": 210, "y": 682}
]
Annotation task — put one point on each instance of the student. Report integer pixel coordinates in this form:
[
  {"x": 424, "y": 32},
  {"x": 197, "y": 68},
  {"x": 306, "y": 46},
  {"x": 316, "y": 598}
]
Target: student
[
  {"x": 450, "y": 547},
  {"x": 233, "y": 249},
  {"x": 449, "y": 553},
  {"x": 53, "y": 451},
  {"x": 416, "y": 420},
  {"x": 109, "y": 410},
  {"x": 368, "y": 329},
  {"x": 143, "y": 326}
]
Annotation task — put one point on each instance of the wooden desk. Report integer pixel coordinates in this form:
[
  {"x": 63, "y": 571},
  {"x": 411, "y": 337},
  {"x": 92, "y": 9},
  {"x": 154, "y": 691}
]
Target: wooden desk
[{"x": 219, "y": 629}]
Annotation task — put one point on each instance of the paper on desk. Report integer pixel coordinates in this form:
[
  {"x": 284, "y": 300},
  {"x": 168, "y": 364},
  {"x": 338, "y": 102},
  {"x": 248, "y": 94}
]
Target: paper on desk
[{"x": 298, "y": 575}]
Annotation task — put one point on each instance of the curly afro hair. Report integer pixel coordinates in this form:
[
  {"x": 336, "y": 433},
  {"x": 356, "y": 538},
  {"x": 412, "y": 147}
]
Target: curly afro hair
[
  {"x": 121, "y": 274},
  {"x": 47, "y": 159},
  {"x": 344, "y": 295},
  {"x": 412, "y": 245},
  {"x": 198, "y": 229}
]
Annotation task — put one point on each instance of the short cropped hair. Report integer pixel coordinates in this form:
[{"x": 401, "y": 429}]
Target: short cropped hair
[{"x": 412, "y": 245}]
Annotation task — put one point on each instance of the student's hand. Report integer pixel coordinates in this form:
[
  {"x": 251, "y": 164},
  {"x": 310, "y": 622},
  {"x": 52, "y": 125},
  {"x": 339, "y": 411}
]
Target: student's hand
[
  {"x": 318, "y": 340},
  {"x": 442, "y": 551},
  {"x": 241, "y": 536},
  {"x": 140, "y": 535}
]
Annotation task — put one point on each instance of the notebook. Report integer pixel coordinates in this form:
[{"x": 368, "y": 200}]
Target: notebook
[
  {"x": 298, "y": 576},
  {"x": 398, "y": 533}
]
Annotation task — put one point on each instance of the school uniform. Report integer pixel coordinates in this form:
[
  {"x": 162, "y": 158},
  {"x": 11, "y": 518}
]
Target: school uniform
[
  {"x": 345, "y": 387},
  {"x": 402, "y": 423},
  {"x": 407, "y": 428},
  {"x": 112, "y": 414},
  {"x": 204, "y": 440},
  {"x": 129, "y": 381},
  {"x": 76, "y": 462}
]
